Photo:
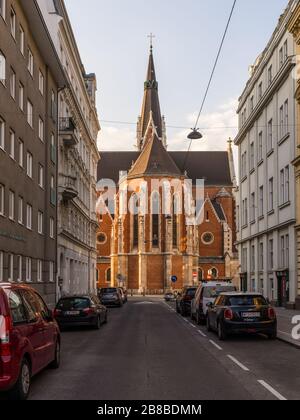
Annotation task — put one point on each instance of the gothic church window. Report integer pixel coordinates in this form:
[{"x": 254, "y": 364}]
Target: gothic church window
[{"x": 155, "y": 208}]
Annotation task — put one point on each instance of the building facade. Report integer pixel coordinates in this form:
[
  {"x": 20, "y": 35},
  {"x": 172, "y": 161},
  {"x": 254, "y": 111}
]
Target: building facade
[
  {"x": 31, "y": 75},
  {"x": 294, "y": 28},
  {"x": 145, "y": 240},
  {"x": 78, "y": 157},
  {"x": 267, "y": 144}
]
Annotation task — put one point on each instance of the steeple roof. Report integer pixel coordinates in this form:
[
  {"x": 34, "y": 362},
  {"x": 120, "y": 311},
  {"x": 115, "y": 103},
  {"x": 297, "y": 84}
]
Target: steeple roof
[
  {"x": 154, "y": 160},
  {"x": 151, "y": 100}
]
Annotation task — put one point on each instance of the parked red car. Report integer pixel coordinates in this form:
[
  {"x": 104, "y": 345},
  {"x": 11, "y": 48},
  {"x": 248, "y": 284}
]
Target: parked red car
[{"x": 29, "y": 339}]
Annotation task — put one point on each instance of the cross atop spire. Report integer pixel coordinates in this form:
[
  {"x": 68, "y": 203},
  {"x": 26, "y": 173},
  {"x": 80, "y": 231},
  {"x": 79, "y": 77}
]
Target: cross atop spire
[{"x": 151, "y": 36}]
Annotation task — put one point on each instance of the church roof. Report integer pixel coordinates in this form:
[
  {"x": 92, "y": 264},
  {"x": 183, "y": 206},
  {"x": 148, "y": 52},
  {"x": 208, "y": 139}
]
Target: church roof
[
  {"x": 211, "y": 166},
  {"x": 151, "y": 100},
  {"x": 154, "y": 160}
]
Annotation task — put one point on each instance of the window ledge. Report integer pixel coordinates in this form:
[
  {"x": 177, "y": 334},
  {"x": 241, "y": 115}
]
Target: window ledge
[
  {"x": 244, "y": 178},
  {"x": 245, "y": 226},
  {"x": 261, "y": 218},
  {"x": 260, "y": 162},
  {"x": 270, "y": 152},
  {"x": 283, "y": 139},
  {"x": 252, "y": 171},
  {"x": 252, "y": 222},
  {"x": 271, "y": 212},
  {"x": 284, "y": 205}
]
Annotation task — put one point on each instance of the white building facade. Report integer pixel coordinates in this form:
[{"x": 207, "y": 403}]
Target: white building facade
[
  {"x": 267, "y": 146},
  {"x": 78, "y": 157}
]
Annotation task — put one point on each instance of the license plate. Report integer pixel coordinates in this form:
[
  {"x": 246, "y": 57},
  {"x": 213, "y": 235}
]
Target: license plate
[
  {"x": 72, "y": 313},
  {"x": 251, "y": 315}
]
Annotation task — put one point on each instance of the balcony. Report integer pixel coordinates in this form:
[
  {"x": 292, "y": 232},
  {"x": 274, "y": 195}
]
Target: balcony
[
  {"x": 68, "y": 187},
  {"x": 67, "y": 131}
]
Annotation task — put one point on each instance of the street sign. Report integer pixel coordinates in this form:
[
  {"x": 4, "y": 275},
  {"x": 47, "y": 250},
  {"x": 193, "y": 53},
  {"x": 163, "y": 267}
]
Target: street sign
[{"x": 174, "y": 279}]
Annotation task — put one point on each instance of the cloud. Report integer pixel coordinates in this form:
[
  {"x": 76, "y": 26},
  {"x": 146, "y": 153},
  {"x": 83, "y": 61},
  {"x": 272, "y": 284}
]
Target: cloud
[{"x": 116, "y": 138}]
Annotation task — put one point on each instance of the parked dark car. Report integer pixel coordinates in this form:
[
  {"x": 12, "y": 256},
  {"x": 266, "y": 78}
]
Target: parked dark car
[
  {"x": 184, "y": 299},
  {"x": 29, "y": 339},
  {"x": 81, "y": 310},
  {"x": 238, "y": 313},
  {"x": 110, "y": 296},
  {"x": 207, "y": 293},
  {"x": 123, "y": 294}
]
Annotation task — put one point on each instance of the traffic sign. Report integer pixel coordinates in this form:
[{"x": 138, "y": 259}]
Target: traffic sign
[{"x": 174, "y": 279}]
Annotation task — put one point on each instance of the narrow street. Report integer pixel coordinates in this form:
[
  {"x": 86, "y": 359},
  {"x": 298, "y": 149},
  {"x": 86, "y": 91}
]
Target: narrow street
[{"x": 148, "y": 352}]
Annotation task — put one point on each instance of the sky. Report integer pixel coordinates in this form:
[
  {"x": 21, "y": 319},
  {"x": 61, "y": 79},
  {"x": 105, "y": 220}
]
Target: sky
[{"x": 112, "y": 36}]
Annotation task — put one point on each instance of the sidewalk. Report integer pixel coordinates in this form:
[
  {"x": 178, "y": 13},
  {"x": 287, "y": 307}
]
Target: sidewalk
[{"x": 285, "y": 326}]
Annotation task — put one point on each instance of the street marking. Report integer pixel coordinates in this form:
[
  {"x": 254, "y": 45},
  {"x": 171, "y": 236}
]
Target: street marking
[
  {"x": 215, "y": 344},
  {"x": 234, "y": 360},
  {"x": 272, "y": 390},
  {"x": 202, "y": 333},
  {"x": 192, "y": 325}
]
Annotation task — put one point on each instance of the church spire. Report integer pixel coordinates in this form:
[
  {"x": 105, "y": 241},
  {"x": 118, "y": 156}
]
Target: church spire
[{"x": 151, "y": 114}]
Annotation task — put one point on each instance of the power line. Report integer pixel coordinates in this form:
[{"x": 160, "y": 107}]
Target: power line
[{"x": 211, "y": 78}]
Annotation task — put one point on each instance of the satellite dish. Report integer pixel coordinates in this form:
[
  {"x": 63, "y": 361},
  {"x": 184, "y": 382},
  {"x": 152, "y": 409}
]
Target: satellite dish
[{"x": 195, "y": 135}]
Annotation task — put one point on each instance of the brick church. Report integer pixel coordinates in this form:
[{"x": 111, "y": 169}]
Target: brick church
[{"x": 148, "y": 236}]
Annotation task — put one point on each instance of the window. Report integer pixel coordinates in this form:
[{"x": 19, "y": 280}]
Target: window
[
  {"x": 285, "y": 185},
  {"x": 30, "y": 113},
  {"x": 245, "y": 212},
  {"x": 281, "y": 56},
  {"x": 251, "y": 103},
  {"x": 40, "y": 223},
  {"x": 285, "y": 50},
  {"x": 2, "y": 134},
  {"x": 283, "y": 261},
  {"x": 270, "y": 75},
  {"x": 39, "y": 271},
  {"x": 51, "y": 272},
  {"x": 53, "y": 149},
  {"x": 260, "y": 90},
  {"x": 261, "y": 201},
  {"x": 270, "y": 135},
  {"x": 244, "y": 165},
  {"x": 238, "y": 218},
  {"x": 175, "y": 220},
  {"x": 22, "y": 40},
  {"x": 20, "y": 268},
  {"x": 260, "y": 146},
  {"x": 30, "y": 63},
  {"x": 11, "y": 205},
  {"x": 13, "y": 22},
  {"x": 271, "y": 194},
  {"x": 52, "y": 191},
  {"x": 28, "y": 269},
  {"x": 41, "y": 129},
  {"x": 135, "y": 230},
  {"x": 21, "y": 96},
  {"x": 108, "y": 275},
  {"x": 287, "y": 250},
  {"x": 29, "y": 217},
  {"x": 261, "y": 256},
  {"x": 155, "y": 209},
  {"x": 1, "y": 258},
  {"x": 11, "y": 144},
  {"x": 2, "y": 8},
  {"x": 252, "y": 162},
  {"x": 41, "y": 176},
  {"x": 29, "y": 164},
  {"x": 2, "y": 68},
  {"x": 21, "y": 153},
  {"x": 2, "y": 210},
  {"x": 281, "y": 122},
  {"x": 253, "y": 207},
  {"x": 244, "y": 260},
  {"x": 20, "y": 211},
  {"x": 51, "y": 229},
  {"x": 10, "y": 267},
  {"x": 12, "y": 84},
  {"x": 271, "y": 254},
  {"x": 41, "y": 82},
  {"x": 53, "y": 106},
  {"x": 286, "y": 117},
  {"x": 252, "y": 259}
]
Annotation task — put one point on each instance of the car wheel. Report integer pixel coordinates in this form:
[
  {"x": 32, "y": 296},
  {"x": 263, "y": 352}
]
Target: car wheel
[
  {"x": 56, "y": 362},
  {"x": 20, "y": 391},
  {"x": 272, "y": 336},
  {"x": 221, "y": 332},
  {"x": 208, "y": 327},
  {"x": 98, "y": 323}
]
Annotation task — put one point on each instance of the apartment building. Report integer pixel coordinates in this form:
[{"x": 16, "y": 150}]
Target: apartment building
[
  {"x": 30, "y": 77},
  {"x": 267, "y": 145},
  {"x": 78, "y": 157}
]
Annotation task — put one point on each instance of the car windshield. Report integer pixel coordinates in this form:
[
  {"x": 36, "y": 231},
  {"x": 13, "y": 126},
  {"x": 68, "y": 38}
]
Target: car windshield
[
  {"x": 190, "y": 292},
  {"x": 214, "y": 291},
  {"x": 247, "y": 301},
  {"x": 73, "y": 303},
  {"x": 108, "y": 291}
]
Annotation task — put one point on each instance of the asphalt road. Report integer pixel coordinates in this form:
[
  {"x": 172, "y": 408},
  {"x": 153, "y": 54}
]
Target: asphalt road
[{"x": 148, "y": 352}]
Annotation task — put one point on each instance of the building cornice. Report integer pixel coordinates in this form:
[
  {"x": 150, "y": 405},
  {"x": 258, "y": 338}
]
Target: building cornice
[
  {"x": 293, "y": 24},
  {"x": 267, "y": 231},
  {"x": 277, "y": 82}
]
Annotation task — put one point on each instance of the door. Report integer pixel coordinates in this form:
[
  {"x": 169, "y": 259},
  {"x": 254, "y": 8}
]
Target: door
[
  {"x": 35, "y": 331},
  {"x": 49, "y": 329}
]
